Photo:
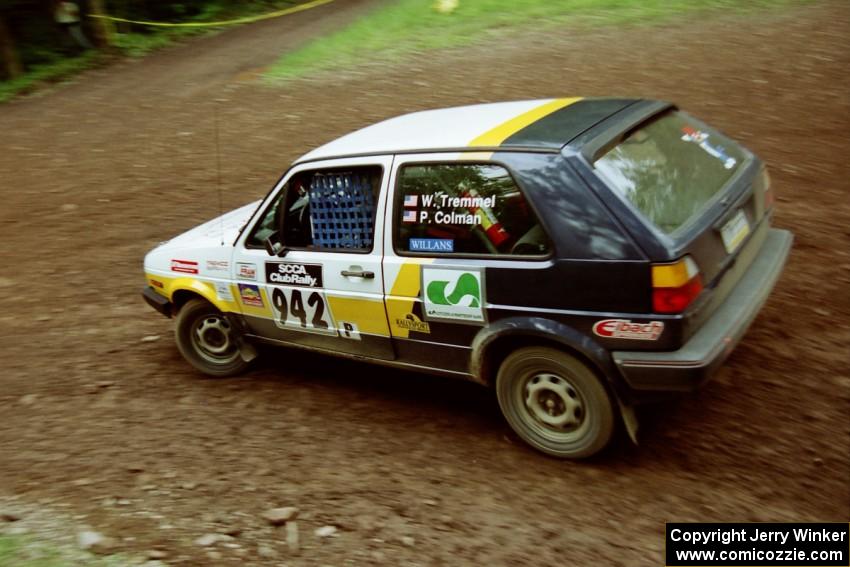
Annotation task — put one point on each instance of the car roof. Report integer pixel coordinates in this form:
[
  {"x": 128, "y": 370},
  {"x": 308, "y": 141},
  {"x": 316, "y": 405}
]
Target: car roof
[{"x": 539, "y": 125}]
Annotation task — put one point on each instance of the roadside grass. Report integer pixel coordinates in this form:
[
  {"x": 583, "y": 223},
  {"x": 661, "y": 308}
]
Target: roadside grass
[
  {"x": 26, "y": 551},
  {"x": 47, "y": 73},
  {"x": 390, "y": 32},
  {"x": 133, "y": 43},
  {"x": 130, "y": 42},
  {"x": 137, "y": 44}
]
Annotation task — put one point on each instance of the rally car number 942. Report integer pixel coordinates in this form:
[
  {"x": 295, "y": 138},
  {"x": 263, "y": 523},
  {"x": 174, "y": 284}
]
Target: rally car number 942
[{"x": 580, "y": 255}]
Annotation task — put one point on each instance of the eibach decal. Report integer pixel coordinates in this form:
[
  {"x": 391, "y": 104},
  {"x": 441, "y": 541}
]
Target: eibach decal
[
  {"x": 184, "y": 266},
  {"x": 625, "y": 329}
]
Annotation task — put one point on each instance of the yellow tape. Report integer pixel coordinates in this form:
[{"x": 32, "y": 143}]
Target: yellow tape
[{"x": 279, "y": 13}]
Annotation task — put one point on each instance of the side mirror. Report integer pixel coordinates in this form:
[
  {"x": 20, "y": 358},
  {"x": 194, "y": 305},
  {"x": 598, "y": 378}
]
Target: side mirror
[{"x": 274, "y": 247}]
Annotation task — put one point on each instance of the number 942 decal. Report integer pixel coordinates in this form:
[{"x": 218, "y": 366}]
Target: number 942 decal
[{"x": 299, "y": 310}]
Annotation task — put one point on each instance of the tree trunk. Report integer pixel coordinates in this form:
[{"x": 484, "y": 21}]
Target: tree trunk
[
  {"x": 10, "y": 64},
  {"x": 104, "y": 30}
]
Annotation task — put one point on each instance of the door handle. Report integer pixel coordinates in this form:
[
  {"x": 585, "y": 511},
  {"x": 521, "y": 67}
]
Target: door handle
[{"x": 358, "y": 274}]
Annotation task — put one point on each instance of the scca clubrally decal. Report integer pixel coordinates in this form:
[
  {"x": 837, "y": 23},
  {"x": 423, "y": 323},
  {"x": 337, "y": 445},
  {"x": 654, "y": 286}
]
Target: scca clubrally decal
[{"x": 294, "y": 273}]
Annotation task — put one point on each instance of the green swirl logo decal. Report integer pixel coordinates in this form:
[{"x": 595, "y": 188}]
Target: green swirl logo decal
[
  {"x": 466, "y": 286},
  {"x": 453, "y": 295}
]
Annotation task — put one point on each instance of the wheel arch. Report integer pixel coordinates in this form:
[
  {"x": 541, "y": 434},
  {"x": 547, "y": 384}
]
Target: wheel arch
[
  {"x": 182, "y": 296},
  {"x": 495, "y": 342},
  {"x": 182, "y": 290}
]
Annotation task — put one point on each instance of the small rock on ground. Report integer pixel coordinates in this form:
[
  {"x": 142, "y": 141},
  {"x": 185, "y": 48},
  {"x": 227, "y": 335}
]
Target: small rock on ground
[
  {"x": 207, "y": 540},
  {"x": 9, "y": 517},
  {"x": 326, "y": 532},
  {"x": 279, "y": 516},
  {"x": 95, "y": 542}
]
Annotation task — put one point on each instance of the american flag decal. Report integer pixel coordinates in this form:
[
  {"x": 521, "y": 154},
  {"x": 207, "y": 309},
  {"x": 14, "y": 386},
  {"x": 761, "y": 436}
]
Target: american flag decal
[
  {"x": 411, "y": 200},
  {"x": 409, "y": 216}
]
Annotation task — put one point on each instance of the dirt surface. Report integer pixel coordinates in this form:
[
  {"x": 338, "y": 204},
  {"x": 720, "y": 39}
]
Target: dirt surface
[{"x": 118, "y": 434}]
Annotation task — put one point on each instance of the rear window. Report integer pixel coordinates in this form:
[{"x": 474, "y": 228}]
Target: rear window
[{"x": 670, "y": 168}]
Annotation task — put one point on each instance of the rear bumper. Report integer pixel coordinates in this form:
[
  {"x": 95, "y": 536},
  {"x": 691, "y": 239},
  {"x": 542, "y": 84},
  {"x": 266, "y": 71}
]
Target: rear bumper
[
  {"x": 157, "y": 301},
  {"x": 685, "y": 369}
]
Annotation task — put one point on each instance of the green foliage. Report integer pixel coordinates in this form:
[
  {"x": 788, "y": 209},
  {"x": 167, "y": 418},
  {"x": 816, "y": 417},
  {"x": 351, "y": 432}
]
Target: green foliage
[
  {"x": 46, "y": 73},
  {"x": 405, "y": 26},
  {"x": 137, "y": 40},
  {"x": 27, "y": 551},
  {"x": 48, "y": 54}
]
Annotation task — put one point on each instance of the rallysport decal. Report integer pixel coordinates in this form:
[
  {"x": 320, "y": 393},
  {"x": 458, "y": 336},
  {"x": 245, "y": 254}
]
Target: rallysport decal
[
  {"x": 295, "y": 274},
  {"x": 625, "y": 329},
  {"x": 184, "y": 266},
  {"x": 411, "y": 322},
  {"x": 455, "y": 295}
]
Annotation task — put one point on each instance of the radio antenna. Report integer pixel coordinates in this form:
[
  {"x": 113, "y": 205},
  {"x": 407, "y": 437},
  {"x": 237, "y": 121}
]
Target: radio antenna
[{"x": 218, "y": 170}]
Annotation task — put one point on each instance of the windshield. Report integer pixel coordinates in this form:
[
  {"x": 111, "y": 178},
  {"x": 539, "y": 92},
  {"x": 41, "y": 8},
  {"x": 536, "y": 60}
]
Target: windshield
[{"x": 670, "y": 167}]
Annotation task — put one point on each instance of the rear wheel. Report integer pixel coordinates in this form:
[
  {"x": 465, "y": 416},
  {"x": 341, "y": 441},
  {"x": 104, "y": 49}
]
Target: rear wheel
[
  {"x": 207, "y": 341},
  {"x": 555, "y": 403}
]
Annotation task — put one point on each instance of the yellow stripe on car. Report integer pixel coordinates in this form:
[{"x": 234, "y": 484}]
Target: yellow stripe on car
[
  {"x": 167, "y": 287},
  {"x": 403, "y": 296},
  {"x": 495, "y": 136},
  {"x": 368, "y": 315}
]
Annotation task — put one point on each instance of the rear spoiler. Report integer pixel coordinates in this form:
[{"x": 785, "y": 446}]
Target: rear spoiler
[{"x": 612, "y": 131}]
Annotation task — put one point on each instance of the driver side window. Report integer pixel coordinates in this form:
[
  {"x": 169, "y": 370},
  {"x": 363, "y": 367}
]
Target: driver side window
[
  {"x": 329, "y": 210},
  {"x": 267, "y": 225}
]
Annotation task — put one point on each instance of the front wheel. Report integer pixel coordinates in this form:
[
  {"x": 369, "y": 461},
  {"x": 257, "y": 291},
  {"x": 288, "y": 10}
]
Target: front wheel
[
  {"x": 207, "y": 341},
  {"x": 555, "y": 403}
]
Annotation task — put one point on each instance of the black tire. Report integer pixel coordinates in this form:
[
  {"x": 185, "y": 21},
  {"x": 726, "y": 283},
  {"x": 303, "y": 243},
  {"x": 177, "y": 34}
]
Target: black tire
[
  {"x": 205, "y": 340},
  {"x": 555, "y": 403}
]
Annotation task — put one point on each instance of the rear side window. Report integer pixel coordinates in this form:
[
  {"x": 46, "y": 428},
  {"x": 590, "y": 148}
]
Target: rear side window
[
  {"x": 465, "y": 209},
  {"x": 670, "y": 168}
]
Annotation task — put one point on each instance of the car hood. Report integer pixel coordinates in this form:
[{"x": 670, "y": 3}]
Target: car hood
[{"x": 224, "y": 228}]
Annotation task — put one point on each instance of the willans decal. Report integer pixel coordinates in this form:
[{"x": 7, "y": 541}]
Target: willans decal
[
  {"x": 432, "y": 245},
  {"x": 625, "y": 329}
]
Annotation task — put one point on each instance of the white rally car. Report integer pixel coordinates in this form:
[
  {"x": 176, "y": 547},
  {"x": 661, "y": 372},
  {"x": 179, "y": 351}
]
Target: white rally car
[{"x": 581, "y": 255}]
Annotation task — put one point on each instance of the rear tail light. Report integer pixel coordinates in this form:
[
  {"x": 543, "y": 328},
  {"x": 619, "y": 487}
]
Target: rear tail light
[
  {"x": 768, "y": 192},
  {"x": 675, "y": 286}
]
